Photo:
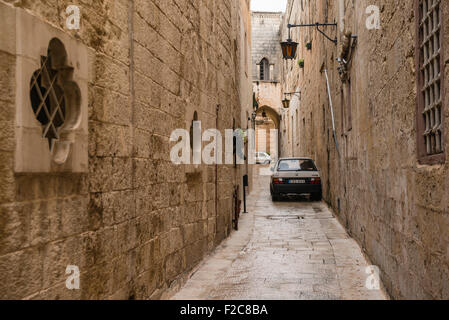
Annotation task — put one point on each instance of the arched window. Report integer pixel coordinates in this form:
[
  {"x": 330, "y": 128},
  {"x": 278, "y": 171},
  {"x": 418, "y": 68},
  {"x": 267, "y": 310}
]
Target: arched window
[{"x": 264, "y": 69}]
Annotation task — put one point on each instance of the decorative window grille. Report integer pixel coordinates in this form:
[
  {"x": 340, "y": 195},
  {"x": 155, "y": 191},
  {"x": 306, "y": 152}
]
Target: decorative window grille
[
  {"x": 48, "y": 100},
  {"x": 430, "y": 107},
  {"x": 51, "y": 100},
  {"x": 47, "y": 94}
]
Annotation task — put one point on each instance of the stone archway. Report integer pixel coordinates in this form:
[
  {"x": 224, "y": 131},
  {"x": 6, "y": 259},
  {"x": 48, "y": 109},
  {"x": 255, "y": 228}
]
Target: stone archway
[
  {"x": 270, "y": 120},
  {"x": 271, "y": 113}
]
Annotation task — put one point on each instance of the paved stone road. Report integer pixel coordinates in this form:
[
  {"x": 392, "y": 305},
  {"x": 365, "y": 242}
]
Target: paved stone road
[{"x": 294, "y": 249}]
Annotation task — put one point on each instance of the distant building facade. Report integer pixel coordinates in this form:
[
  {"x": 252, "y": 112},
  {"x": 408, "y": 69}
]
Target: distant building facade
[{"x": 267, "y": 66}]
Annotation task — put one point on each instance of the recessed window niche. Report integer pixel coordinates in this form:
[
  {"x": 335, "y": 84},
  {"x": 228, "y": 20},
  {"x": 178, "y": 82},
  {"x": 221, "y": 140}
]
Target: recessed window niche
[
  {"x": 51, "y": 95},
  {"x": 55, "y": 98}
]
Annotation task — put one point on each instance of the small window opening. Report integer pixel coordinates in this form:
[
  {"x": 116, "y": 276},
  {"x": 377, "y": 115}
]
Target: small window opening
[{"x": 48, "y": 98}]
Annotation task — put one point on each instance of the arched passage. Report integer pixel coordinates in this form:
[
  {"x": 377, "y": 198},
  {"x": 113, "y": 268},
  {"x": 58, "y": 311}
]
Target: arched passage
[
  {"x": 267, "y": 120},
  {"x": 271, "y": 113}
]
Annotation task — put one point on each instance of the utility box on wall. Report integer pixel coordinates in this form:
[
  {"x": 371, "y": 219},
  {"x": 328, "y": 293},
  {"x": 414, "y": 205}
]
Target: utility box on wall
[{"x": 51, "y": 76}]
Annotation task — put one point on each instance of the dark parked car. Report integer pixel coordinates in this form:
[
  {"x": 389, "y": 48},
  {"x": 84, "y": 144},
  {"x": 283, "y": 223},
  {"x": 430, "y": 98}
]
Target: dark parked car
[{"x": 295, "y": 176}]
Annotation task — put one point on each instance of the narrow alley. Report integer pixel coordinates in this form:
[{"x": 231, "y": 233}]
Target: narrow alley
[
  {"x": 289, "y": 250},
  {"x": 133, "y": 131}
]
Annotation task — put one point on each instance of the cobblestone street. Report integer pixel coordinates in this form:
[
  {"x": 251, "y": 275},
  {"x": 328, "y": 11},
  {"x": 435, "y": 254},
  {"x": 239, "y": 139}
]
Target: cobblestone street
[{"x": 293, "y": 249}]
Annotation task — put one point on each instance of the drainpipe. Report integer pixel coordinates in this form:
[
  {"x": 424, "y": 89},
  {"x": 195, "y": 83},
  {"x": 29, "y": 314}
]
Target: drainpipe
[
  {"x": 216, "y": 175},
  {"x": 332, "y": 111}
]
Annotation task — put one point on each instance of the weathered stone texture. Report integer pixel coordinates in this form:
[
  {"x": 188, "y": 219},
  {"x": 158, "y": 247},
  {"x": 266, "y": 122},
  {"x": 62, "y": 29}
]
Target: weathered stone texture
[
  {"x": 267, "y": 93},
  {"x": 396, "y": 208},
  {"x": 265, "y": 41},
  {"x": 136, "y": 223}
]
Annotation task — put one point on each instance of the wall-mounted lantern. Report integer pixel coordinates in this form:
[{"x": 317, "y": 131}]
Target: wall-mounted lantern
[
  {"x": 286, "y": 101},
  {"x": 253, "y": 119},
  {"x": 290, "y": 47},
  {"x": 254, "y": 116}
]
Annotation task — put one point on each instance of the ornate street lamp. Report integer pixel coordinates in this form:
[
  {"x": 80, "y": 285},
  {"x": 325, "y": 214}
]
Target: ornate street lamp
[
  {"x": 253, "y": 119},
  {"x": 253, "y": 116},
  {"x": 290, "y": 47},
  {"x": 286, "y": 101}
]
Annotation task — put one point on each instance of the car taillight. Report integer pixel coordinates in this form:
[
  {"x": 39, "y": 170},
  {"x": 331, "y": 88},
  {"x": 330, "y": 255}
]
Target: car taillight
[
  {"x": 315, "y": 181},
  {"x": 278, "y": 181}
]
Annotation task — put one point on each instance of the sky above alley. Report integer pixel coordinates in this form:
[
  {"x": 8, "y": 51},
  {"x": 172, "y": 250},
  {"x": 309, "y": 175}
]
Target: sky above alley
[{"x": 268, "y": 5}]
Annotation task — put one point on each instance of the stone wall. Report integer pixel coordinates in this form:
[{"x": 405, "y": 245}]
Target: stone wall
[
  {"x": 265, "y": 44},
  {"x": 395, "y": 207},
  {"x": 135, "y": 224}
]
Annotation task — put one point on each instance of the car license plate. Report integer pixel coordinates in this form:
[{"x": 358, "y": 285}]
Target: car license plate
[{"x": 297, "y": 181}]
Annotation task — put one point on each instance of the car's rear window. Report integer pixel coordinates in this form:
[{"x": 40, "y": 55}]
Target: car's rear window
[{"x": 296, "y": 165}]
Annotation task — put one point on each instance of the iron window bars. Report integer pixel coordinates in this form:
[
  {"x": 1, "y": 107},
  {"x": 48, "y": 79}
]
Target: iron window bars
[{"x": 430, "y": 58}]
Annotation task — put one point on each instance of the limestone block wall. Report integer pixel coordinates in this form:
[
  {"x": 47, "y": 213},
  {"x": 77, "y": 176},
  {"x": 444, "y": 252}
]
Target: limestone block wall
[
  {"x": 135, "y": 223},
  {"x": 395, "y": 207},
  {"x": 265, "y": 42},
  {"x": 268, "y": 94}
]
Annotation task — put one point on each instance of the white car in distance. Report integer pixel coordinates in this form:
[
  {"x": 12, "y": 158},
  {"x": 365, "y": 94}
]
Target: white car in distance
[{"x": 263, "y": 158}]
